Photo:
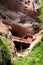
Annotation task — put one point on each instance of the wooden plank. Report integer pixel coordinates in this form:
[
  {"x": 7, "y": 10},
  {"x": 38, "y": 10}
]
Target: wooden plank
[{"x": 21, "y": 40}]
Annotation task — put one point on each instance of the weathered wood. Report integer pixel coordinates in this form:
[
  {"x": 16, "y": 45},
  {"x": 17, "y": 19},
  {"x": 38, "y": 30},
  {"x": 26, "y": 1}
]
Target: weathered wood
[
  {"x": 20, "y": 40},
  {"x": 21, "y": 48}
]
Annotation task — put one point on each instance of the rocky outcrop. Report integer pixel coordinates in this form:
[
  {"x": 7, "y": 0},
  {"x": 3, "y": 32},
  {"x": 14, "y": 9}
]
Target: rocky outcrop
[
  {"x": 12, "y": 47},
  {"x": 27, "y": 6},
  {"x": 6, "y": 33},
  {"x": 14, "y": 26}
]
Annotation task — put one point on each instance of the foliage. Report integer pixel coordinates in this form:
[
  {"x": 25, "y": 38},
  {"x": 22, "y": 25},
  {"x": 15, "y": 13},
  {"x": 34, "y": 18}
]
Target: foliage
[
  {"x": 5, "y": 55},
  {"x": 42, "y": 38},
  {"x": 41, "y": 13}
]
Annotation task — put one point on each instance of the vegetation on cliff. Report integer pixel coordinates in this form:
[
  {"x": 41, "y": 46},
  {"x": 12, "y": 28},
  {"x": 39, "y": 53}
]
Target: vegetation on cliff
[
  {"x": 5, "y": 54},
  {"x": 41, "y": 13}
]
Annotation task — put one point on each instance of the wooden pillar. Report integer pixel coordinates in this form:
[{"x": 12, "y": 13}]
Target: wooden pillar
[{"x": 21, "y": 48}]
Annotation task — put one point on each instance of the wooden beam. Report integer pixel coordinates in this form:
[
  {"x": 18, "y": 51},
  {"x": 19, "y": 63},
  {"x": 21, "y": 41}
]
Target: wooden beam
[{"x": 21, "y": 40}]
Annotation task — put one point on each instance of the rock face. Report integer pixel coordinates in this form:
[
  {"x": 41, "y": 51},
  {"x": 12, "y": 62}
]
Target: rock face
[
  {"x": 29, "y": 7},
  {"x": 22, "y": 9},
  {"x": 22, "y": 4},
  {"x": 3, "y": 29},
  {"x": 5, "y": 32},
  {"x": 12, "y": 47}
]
